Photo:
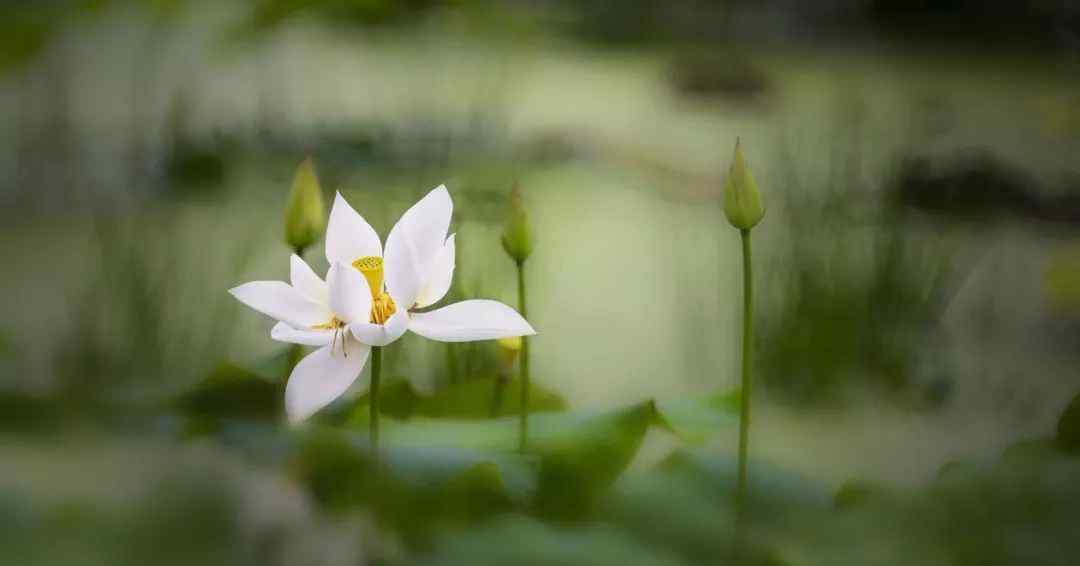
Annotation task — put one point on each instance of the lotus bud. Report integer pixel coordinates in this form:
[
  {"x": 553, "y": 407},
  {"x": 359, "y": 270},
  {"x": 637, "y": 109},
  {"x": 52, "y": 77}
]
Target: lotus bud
[
  {"x": 517, "y": 237},
  {"x": 742, "y": 202},
  {"x": 305, "y": 213}
]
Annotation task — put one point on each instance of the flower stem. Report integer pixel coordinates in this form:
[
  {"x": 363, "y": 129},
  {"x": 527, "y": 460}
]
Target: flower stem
[
  {"x": 747, "y": 380},
  {"x": 523, "y": 431},
  {"x": 373, "y": 405}
]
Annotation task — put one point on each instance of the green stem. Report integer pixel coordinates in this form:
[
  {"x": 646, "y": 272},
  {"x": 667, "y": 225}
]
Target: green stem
[
  {"x": 747, "y": 381},
  {"x": 376, "y": 370},
  {"x": 524, "y": 427}
]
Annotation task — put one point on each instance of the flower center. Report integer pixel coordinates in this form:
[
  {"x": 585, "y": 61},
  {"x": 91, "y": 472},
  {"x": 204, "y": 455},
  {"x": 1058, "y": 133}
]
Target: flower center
[{"x": 382, "y": 306}]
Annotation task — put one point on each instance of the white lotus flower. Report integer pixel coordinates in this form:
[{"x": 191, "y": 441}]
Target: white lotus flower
[{"x": 354, "y": 310}]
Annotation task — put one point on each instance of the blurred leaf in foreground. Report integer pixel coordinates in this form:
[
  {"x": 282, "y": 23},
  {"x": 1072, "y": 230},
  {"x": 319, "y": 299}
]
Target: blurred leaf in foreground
[
  {"x": 580, "y": 453},
  {"x": 520, "y": 540},
  {"x": 232, "y": 391},
  {"x": 1068, "y": 428},
  {"x": 695, "y": 419}
]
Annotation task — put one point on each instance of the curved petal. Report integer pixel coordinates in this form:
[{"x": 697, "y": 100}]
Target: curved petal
[
  {"x": 306, "y": 281},
  {"x": 282, "y": 332},
  {"x": 348, "y": 235},
  {"x": 413, "y": 244},
  {"x": 350, "y": 298},
  {"x": 282, "y": 302},
  {"x": 381, "y": 334},
  {"x": 470, "y": 320},
  {"x": 321, "y": 377},
  {"x": 439, "y": 276}
]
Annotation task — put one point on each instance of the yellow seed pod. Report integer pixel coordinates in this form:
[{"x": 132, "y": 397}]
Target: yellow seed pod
[
  {"x": 742, "y": 202},
  {"x": 305, "y": 212},
  {"x": 517, "y": 237}
]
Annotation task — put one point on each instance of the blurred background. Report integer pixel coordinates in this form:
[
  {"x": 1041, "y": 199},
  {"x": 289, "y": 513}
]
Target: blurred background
[{"x": 918, "y": 267}]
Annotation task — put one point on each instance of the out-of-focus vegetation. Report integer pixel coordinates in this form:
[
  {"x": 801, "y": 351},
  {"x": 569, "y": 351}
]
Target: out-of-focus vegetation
[{"x": 917, "y": 281}]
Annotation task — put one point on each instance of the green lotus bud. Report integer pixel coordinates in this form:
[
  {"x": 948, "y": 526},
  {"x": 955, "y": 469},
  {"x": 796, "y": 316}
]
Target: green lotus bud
[
  {"x": 517, "y": 237},
  {"x": 742, "y": 202},
  {"x": 305, "y": 213}
]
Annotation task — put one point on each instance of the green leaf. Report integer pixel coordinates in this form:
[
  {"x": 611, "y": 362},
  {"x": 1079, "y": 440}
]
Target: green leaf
[
  {"x": 957, "y": 471},
  {"x": 1068, "y": 428},
  {"x": 232, "y": 391},
  {"x": 695, "y": 419},
  {"x": 415, "y": 490},
  {"x": 579, "y": 453},
  {"x": 520, "y": 540},
  {"x": 1029, "y": 452},
  {"x": 419, "y": 491},
  {"x": 856, "y": 493},
  {"x": 664, "y": 509},
  {"x": 770, "y": 488}
]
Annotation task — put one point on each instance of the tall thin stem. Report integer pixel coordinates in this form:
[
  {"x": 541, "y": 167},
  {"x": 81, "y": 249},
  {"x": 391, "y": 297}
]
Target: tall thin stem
[
  {"x": 373, "y": 405},
  {"x": 747, "y": 381},
  {"x": 523, "y": 431}
]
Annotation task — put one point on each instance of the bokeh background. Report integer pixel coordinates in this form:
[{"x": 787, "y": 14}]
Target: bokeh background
[{"x": 918, "y": 267}]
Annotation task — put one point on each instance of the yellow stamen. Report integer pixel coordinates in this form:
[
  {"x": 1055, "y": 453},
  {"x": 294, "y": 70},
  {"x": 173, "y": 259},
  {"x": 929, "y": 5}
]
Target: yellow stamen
[
  {"x": 333, "y": 324},
  {"x": 338, "y": 326},
  {"x": 382, "y": 306}
]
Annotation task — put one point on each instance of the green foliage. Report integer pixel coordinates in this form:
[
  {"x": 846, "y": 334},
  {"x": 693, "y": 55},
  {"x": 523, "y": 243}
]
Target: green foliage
[
  {"x": 1068, "y": 428},
  {"x": 233, "y": 392},
  {"x": 863, "y": 290},
  {"x": 855, "y": 493},
  {"x": 770, "y": 489},
  {"x": 579, "y": 453},
  {"x": 267, "y": 15},
  {"x": 24, "y": 32},
  {"x": 695, "y": 419},
  {"x": 417, "y": 491},
  {"x": 522, "y": 540}
]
